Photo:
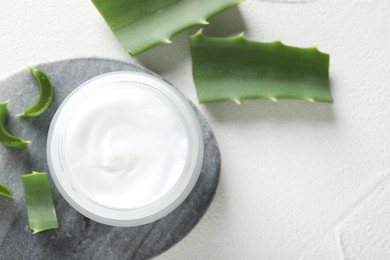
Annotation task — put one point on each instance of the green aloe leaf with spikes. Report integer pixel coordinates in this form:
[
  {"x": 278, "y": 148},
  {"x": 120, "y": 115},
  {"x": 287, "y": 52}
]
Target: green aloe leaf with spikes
[
  {"x": 142, "y": 24},
  {"x": 234, "y": 69}
]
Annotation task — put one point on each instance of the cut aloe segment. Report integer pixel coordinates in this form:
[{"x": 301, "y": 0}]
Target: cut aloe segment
[
  {"x": 142, "y": 24},
  {"x": 46, "y": 95},
  {"x": 4, "y": 191},
  {"x": 39, "y": 202},
  {"x": 5, "y": 137},
  {"x": 234, "y": 69}
]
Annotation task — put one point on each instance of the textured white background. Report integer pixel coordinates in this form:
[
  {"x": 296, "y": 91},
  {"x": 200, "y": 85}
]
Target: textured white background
[{"x": 299, "y": 180}]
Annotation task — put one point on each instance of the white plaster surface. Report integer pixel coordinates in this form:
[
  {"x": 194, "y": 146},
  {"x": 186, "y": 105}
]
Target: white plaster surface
[{"x": 299, "y": 180}]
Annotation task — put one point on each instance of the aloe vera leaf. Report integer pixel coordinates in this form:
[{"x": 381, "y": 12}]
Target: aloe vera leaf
[
  {"x": 5, "y": 137},
  {"x": 4, "y": 191},
  {"x": 39, "y": 201},
  {"x": 142, "y": 24},
  {"x": 234, "y": 69},
  {"x": 46, "y": 95}
]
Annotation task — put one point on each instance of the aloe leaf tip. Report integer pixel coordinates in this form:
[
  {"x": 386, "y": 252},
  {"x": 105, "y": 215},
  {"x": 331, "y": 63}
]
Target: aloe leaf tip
[{"x": 5, "y": 192}]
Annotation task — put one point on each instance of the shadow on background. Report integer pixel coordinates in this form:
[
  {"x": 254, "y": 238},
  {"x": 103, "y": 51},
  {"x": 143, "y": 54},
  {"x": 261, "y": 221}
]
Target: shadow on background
[
  {"x": 283, "y": 111},
  {"x": 168, "y": 57},
  {"x": 228, "y": 23}
]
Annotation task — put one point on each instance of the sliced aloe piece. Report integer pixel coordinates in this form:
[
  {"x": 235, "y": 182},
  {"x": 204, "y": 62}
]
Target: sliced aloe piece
[
  {"x": 234, "y": 69},
  {"x": 4, "y": 191},
  {"x": 142, "y": 24},
  {"x": 5, "y": 137},
  {"x": 46, "y": 95},
  {"x": 39, "y": 201}
]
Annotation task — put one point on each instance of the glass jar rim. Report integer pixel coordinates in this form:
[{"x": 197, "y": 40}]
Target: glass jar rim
[{"x": 167, "y": 202}]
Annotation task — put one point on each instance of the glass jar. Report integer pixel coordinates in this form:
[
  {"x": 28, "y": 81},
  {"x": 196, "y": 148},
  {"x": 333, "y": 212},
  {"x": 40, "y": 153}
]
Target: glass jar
[{"x": 59, "y": 163}]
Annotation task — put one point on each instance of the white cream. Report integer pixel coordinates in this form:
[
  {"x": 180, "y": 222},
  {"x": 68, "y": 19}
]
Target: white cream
[{"x": 124, "y": 147}]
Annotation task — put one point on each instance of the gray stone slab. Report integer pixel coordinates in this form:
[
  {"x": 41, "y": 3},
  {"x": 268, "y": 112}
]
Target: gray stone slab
[{"x": 78, "y": 237}]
